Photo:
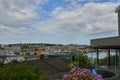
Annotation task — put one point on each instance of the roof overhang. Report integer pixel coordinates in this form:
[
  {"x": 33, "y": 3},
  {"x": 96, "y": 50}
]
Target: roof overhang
[
  {"x": 106, "y": 47},
  {"x": 106, "y": 43},
  {"x": 118, "y": 8}
]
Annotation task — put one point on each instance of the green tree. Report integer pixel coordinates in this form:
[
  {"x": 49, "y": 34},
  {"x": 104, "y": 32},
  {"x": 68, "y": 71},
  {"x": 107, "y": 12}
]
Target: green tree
[
  {"x": 112, "y": 60},
  {"x": 81, "y": 60},
  {"x": 24, "y": 46}
]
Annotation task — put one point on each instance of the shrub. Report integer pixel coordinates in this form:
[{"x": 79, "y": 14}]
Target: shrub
[
  {"x": 81, "y": 60},
  {"x": 21, "y": 71}
]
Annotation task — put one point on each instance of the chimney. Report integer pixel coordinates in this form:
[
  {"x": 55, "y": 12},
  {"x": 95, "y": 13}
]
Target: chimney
[{"x": 118, "y": 12}]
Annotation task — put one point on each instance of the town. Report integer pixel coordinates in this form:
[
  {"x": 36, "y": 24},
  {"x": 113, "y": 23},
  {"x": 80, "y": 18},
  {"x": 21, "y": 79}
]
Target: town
[
  {"x": 42, "y": 48},
  {"x": 33, "y": 51},
  {"x": 60, "y": 40}
]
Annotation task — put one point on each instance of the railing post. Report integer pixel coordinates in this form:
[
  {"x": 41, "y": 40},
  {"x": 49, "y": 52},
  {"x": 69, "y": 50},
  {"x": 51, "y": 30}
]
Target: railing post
[
  {"x": 97, "y": 64},
  {"x": 108, "y": 58},
  {"x": 115, "y": 64},
  {"x": 119, "y": 61}
]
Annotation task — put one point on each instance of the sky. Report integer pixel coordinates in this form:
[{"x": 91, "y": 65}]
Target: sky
[{"x": 57, "y": 21}]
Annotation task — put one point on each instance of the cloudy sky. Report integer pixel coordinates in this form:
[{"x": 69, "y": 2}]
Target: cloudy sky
[{"x": 57, "y": 21}]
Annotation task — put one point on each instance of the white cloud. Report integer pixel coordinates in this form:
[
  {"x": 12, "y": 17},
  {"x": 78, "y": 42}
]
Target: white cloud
[
  {"x": 40, "y": 1},
  {"x": 91, "y": 18},
  {"x": 16, "y": 16},
  {"x": 6, "y": 30},
  {"x": 19, "y": 19}
]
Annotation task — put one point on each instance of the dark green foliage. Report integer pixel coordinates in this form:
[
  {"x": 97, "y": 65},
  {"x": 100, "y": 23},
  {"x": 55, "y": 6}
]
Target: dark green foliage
[
  {"x": 21, "y": 71},
  {"x": 104, "y": 61},
  {"x": 24, "y": 46}
]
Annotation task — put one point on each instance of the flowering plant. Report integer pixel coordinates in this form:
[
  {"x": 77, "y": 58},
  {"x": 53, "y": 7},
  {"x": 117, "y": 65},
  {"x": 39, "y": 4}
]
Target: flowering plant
[{"x": 80, "y": 74}]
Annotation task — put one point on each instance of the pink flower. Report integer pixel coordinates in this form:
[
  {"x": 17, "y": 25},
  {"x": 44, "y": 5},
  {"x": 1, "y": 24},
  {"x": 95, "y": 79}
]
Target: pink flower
[
  {"x": 98, "y": 78},
  {"x": 65, "y": 76},
  {"x": 75, "y": 79},
  {"x": 78, "y": 74}
]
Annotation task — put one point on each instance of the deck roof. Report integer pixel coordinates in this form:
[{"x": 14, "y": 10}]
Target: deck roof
[
  {"x": 106, "y": 43},
  {"x": 117, "y": 9}
]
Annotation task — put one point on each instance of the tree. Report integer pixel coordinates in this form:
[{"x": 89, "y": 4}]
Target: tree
[
  {"x": 81, "y": 60},
  {"x": 24, "y": 46}
]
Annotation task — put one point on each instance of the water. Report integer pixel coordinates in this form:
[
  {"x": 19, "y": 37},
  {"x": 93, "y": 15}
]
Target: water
[
  {"x": 5, "y": 56},
  {"x": 101, "y": 54}
]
